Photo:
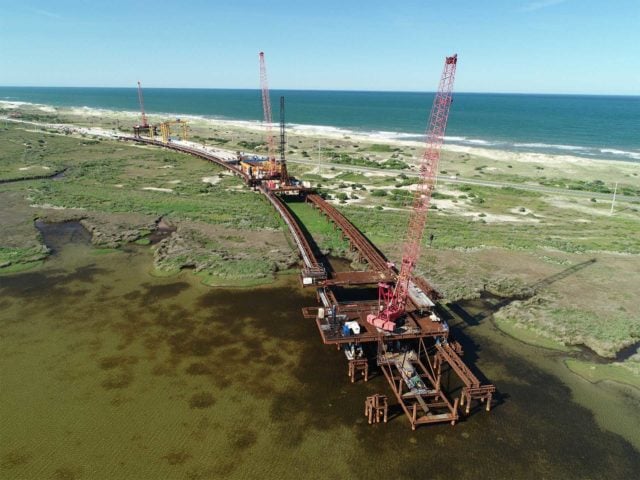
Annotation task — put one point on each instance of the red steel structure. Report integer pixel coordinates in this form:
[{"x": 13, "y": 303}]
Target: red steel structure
[
  {"x": 144, "y": 123},
  {"x": 284, "y": 175},
  {"x": 266, "y": 107},
  {"x": 393, "y": 299}
]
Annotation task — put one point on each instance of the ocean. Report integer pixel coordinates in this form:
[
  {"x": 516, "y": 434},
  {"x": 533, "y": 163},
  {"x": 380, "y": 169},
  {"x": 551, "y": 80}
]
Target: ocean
[{"x": 582, "y": 125}]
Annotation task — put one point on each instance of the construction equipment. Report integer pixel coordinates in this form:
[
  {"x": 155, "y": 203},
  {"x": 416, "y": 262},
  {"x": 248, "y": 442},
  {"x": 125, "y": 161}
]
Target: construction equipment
[
  {"x": 145, "y": 123},
  {"x": 165, "y": 129},
  {"x": 276, "y": 170},
  {"x": 392, "y": 299},
  {"x": 266, "y": 108},
  {"x": 284, "y": 175}
]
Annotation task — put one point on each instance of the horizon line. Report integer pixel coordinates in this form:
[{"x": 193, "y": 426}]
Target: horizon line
[{"x": 328, "y": 90}]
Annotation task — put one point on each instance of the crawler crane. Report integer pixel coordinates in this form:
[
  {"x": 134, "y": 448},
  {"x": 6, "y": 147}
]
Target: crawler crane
[
  {"x": 276, "y": 169},
  {"x": 393, "y": 298}
]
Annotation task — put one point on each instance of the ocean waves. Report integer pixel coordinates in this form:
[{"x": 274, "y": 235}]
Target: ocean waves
[
  {"x": 607, "y": 150},
  {"x": 608, "y": 153},
  {"x": 520, "y": 147}
]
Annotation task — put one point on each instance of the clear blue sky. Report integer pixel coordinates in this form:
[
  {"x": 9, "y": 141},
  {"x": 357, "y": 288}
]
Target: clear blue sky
[{"x": 551, "y": 46}]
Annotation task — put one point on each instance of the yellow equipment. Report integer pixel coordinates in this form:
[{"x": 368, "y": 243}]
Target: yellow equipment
[{"x": 165, "y": 129}]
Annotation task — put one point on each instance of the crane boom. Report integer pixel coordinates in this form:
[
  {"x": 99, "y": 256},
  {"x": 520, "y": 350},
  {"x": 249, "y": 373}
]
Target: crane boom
[
  {"x": 266, "y": 107},
  {"x": 393, "y": 301},
  {"x": 284, "y": 175},
  {"x": 145, "y": 123}
]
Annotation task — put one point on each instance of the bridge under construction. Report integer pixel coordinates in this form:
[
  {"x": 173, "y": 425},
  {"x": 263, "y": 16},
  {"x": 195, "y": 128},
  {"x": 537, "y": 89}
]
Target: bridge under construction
[
  {"x": 394, "y": 324},
  {"x": 414, "y": 358}
]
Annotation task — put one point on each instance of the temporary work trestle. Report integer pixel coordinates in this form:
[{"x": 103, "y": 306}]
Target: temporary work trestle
[
  {"x": 313, "y": 271},
  {"x": 416, "y": 387},
  {"x": 369, "y": 253},
  {"x": 472, "y": 388}
]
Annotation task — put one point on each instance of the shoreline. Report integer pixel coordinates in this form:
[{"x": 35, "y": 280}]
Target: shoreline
[
  {"x": 530, "y": 152},
  {"x": 596, "y": 387}
]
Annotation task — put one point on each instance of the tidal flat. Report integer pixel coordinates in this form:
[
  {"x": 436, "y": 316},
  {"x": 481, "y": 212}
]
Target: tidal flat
[{"x": 110, "y": 372}]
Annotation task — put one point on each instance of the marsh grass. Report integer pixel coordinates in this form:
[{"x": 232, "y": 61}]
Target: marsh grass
[
  {"x": 595, "y": 372},
  {"x": 324, "y": 233}
]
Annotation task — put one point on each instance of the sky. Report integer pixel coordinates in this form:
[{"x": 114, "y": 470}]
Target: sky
[{"x": 523, "y": 46}]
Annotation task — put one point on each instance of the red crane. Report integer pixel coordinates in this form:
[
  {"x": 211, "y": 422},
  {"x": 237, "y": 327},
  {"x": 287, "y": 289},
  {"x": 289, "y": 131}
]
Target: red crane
[
  {"x": 393, "y": 299},
  {"x": 266, "y": 107},
  {"x": 145, "y": 123},
  {"x": 284, "y": 175}
]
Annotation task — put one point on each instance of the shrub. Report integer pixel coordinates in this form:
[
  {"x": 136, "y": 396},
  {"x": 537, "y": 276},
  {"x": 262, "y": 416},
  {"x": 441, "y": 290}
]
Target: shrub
[
  {"x": 251, "y": 145},
  {"x": 380, "y": 148},
  {"x": 440, "y": 195}
]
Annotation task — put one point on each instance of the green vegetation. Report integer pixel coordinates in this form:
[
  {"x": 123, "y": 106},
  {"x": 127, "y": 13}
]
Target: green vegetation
[
  {"x": 394, "y": 163},
  {"x": 528, "y": 336},
  {"x": 8, "y": 255},
  {"x": 20, "y": 265},
  {"x": 608, "y": 234},
  {"x": 218, "y": 140},
  {"x": 251, "y": 145},
  {"x": 17, "y": 259},
  {"x": 110, "y": 178},
  {"x": 597, "y": 186},
  {"x": 378, "y": 193},
  {"x": 223, "y": 207},
  {"x": 404, "y": 181},
  {"x": 597, "y": 372},
  {"x": 328, "y": 238},
  {"x": 381, "y": 148},
  {"x": 346, "y": 159},
  {"x": 239, "y": 273}
]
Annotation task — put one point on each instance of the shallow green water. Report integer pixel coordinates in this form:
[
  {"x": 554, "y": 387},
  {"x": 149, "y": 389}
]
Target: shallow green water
[{"x": 107, "y": 372}]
